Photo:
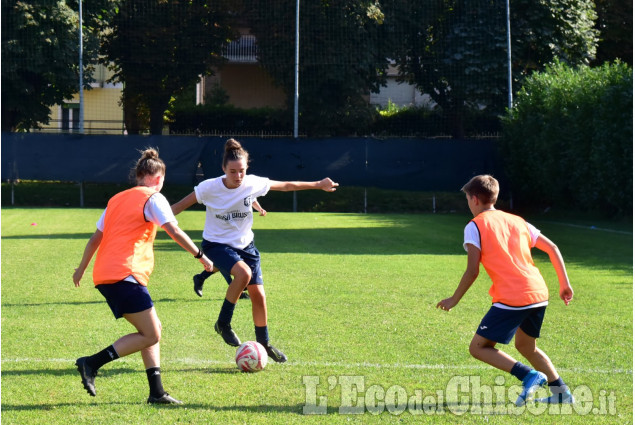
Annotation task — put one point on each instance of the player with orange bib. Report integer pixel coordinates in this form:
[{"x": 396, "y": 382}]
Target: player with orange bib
[
  {"x": 125, "y": 259},
  {"x": 502, "y": 242}
]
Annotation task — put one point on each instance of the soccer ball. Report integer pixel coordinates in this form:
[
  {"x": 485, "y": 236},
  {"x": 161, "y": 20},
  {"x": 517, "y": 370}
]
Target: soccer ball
[{"x": 251, "y": 357}]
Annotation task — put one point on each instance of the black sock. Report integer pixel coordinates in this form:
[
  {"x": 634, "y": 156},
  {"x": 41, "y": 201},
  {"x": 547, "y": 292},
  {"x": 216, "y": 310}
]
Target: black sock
[
  {"x": 154, "y": 380},
  {"x": 520, "y": 370},
  {"x": 205, "y": 274},
  {"x": 106, "y": 355},
  {"x": 262, "y": 335},
  {"x": 558, "y": 386},
  {"x": 226, "y": 312}
]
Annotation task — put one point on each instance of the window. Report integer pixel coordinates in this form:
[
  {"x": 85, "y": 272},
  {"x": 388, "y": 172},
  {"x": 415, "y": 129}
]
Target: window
[{"x": 70, "y": 117}]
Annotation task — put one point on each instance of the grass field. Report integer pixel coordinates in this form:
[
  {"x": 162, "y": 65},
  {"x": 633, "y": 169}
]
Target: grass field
[{"x": 351, "y": 302}]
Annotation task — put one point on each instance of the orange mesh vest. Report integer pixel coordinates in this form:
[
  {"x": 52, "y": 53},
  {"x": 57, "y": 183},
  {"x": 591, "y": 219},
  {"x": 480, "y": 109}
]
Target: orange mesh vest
[
  {"x": 126, "y": 247},
  {"x": 506, "y": 256}
]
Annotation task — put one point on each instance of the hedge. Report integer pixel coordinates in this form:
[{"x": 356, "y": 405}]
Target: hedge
[{"x": 568, "y": 141}]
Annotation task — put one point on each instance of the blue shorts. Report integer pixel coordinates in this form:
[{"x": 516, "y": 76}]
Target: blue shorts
[
  {"x": 126, "y": 297},
  {"x": 225, "y": 257},
  {"x": 500, "y": 325}
]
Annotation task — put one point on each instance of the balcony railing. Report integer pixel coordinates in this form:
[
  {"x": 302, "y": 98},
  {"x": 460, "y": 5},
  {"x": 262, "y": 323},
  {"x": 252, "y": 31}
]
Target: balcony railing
[{"x": 243, "y": 50}]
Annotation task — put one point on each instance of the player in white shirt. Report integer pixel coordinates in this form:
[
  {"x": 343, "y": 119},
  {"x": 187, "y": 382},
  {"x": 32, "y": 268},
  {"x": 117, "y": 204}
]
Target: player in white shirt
[
  {"x": 229, "y": 241},
  {"x": 199, "y": 279}
]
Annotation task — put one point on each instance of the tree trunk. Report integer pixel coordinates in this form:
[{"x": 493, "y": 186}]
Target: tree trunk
[
  {"x": 131, "y": 113},
  {"x": 9, "y": 120},
  {"x": 156, "y": 118},
  {"x": 457, "y": 126}
]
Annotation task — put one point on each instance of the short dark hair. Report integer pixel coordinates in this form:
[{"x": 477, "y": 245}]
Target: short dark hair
[{"x": 484, "y": 187}]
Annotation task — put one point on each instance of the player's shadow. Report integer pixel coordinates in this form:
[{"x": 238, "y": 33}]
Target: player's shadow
[
  {"x": 405, "y": 238},
  {"x": 71, "y": 370},
  {"x": 51, "y": 303}
]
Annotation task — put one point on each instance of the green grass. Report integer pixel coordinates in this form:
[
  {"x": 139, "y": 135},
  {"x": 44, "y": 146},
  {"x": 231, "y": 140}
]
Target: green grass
[{"x": 350, "y": 296}]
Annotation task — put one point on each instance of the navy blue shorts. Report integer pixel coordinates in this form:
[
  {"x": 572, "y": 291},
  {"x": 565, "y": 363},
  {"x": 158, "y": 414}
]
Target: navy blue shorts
[
  {"x": 500, "y": 325},
  {"x": 126, "y": 297},
  {"x": 225, "y": 257}
]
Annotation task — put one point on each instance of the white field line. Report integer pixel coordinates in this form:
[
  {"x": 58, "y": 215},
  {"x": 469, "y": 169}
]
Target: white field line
[
  {"x": 600, "y": 229},
  {"x": 190, "y": 362}
]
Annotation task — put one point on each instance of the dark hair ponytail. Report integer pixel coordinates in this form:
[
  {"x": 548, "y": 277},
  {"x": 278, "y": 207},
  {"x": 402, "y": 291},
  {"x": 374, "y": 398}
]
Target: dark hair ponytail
[
  {"x": 148, "y": 165},
  {"x": 234, "y": 151}
]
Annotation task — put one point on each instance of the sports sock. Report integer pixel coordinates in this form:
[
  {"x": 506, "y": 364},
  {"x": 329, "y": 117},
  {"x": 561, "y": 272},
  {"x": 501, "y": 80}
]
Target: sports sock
[
  {"x": 226, "y": 312},
  {"x": 205, "y": 274},
  {"x": 558, "y": 386},
  {"x": 106, "y": 355},
  {"x": 520, "y": 370},
  {"x": 262, "y": 335},
  {"x": 154, "y": 380}
]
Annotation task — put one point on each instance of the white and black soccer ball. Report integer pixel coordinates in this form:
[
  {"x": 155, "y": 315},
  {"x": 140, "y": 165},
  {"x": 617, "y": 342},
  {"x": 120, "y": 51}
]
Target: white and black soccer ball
[{"x": 251, "y": 356}]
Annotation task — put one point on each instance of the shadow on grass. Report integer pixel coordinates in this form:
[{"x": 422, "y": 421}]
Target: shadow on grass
[
  {"x": 409, "y": 235},
  {"x": 199, "y": 406},
  {"x": 298, "y": 409},
  {"x": 72, "y": 370},
  {"x": 51, "y": 303},
  {"x": 186, "y": 299},
  {"x": 52, "y": 236}
]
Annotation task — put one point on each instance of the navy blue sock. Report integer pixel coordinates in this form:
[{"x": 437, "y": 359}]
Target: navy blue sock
[
  {"x": 106, "y": 355},
  {"x": 262, "y": 335},
  {"x": 558, "y": 386},
  {"x": 205, "y": 274},
  {"x": 154, "y": 380},
  {"x": 520, "y": 370},
  {"x": 226, "y": 312}
]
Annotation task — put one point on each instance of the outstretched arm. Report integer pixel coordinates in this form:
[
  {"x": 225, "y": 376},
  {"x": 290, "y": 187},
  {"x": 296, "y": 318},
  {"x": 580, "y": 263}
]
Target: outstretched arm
[
  {"x": 544, "y": 244},
  {"x": 184, "y": 203},
  {"x": 325, "y": 184},
  {"x": 180, "y": 237},
  {"x": 91, "y": 247},
  {"x": 469, "y": 276}
]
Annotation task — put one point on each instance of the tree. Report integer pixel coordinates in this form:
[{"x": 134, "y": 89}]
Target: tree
[
  {"x": 157, "y": 48},
  {"x": 343, "y": 56},
  {"x": 456, "y": 50},
  {"x": 615, "y": 24},
  {"x": 40, "y": 49}
]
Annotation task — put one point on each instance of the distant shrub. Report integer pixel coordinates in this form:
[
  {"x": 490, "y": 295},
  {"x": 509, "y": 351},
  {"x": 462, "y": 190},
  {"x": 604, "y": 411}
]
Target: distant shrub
[
  {"x": 202, "y": 119},
  {"x": 418, "y": 121},
  {"x": 569, "y": 139}
]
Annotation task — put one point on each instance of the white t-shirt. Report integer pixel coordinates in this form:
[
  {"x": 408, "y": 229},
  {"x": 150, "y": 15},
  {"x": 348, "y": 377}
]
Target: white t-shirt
[
  {"x": 157, "y": 210},
  {"x": 229, "y": 214}
]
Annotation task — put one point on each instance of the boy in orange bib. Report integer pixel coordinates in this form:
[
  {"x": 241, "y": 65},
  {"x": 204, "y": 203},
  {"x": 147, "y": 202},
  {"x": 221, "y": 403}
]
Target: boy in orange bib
[{"x": 502, "y": 242}]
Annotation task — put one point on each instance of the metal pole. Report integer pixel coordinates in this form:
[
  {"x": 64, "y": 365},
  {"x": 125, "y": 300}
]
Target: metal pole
[
  {"x": 509, "y": 57},
  {"x": 81, "y": 71},
  {"x": 297, "y": 69}
]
